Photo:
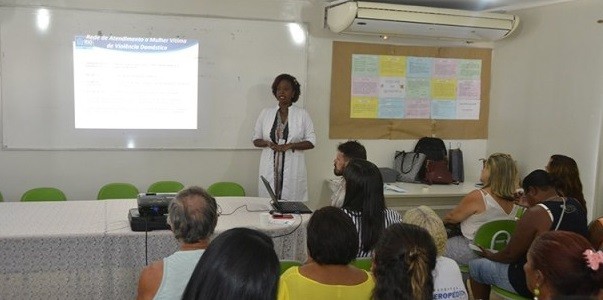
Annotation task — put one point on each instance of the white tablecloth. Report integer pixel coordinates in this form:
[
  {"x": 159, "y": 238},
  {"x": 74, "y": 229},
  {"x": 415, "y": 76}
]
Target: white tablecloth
[{"x": 86, "y": 249}]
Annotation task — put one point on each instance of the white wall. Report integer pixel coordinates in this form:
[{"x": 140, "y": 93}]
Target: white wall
[
  {"x": 81, "y": 173},
  {"x": 547, "y": 91}
]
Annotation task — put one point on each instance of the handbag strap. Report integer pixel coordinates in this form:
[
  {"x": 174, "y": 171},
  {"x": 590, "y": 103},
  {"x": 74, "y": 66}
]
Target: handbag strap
[
  {"x": 562, "y": 214},
  {"x": 412, "y": 164}
]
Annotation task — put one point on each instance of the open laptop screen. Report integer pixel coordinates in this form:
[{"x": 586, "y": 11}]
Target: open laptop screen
[{"x": 273, "y": 199}]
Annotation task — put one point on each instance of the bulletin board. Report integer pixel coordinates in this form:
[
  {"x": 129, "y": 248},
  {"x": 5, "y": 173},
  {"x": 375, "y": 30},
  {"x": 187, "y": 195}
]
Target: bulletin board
[{"x": 343, "y": 126}]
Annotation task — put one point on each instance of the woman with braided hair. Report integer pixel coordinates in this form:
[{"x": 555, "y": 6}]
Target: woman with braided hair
[{"x": 403, "y": 261}]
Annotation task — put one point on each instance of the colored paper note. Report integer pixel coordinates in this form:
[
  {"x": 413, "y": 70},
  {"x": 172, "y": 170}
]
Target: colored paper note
[
  {"x": 365, "y": 65},
  {"x": 364, "y": 107},
  {"x": 469, "y": 89},
  {"x": 418, "y": 88},
  {"x": 443, "y": 110},
  {"x": 443, "y": 89},
  {"x": 467, "y": 109},
  {"x": 391, "y": 108},
  {"x": 417, "y": 109},
  {"x": 392, "y": 66},
  {"x": 444, "y": 67},
  {"x": 419, "y": 67},
  {"x": 365, "y": 86},
  {"x": 469, "y": 68},
  {"x": 392, "y": 87}
]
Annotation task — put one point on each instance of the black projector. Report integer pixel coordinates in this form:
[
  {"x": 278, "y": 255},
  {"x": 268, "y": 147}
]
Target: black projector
[
  {"x": 151, "y": 213},
  {"x": 154, "y": 204}
]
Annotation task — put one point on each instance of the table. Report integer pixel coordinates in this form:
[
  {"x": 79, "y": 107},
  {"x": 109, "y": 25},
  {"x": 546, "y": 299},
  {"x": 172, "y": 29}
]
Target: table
[
  {"x": 86, "y": 249},
  {"x": 441, "y": 198}
]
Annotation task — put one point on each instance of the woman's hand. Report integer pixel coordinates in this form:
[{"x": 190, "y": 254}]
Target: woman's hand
[{"x": 282, "y": 148}]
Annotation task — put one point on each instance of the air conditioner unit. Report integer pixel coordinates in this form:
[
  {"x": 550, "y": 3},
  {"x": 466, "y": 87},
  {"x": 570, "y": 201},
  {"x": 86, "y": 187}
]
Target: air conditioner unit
[{"x": 386, "y": 19}]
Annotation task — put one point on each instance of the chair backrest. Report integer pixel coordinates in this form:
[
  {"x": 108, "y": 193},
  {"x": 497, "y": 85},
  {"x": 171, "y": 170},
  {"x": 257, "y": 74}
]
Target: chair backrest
[
  {"x": 364, "y": 263},
  {"x": 226, "y": 189},
  {"x": 286, "y": 264},
  {"x": 43, "y": 194},
  {"x": 117, "y": 190},
  {"x": 495, "y": 234},
  {"x": 165, "y": 187}
]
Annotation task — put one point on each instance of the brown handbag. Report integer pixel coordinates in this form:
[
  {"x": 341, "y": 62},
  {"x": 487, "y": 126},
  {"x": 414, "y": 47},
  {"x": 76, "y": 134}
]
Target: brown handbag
[{"x": 436, "y": 172}]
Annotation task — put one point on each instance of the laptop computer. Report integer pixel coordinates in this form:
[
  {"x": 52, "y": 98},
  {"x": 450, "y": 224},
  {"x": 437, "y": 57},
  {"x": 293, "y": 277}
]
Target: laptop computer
[{"x": 285, "y": 207}]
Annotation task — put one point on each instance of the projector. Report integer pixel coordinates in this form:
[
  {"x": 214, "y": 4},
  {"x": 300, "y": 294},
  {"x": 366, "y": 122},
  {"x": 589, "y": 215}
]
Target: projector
[
  {"x": 154, "y": 204},
  {"x": 138, "y": 223}
]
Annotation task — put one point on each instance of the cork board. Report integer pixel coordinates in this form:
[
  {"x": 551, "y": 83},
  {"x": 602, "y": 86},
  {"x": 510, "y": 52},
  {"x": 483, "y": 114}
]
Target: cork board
[{"x": 341, "y": 126}]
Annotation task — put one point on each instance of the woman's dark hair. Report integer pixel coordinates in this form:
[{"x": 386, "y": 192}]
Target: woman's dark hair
[
  {"x": 364, "y": 195},
  {"x": 566, "y": 177},
  {"x": 537, "y": 179},
  {"x": 238, "y": 264},
  {"x": 332, "y": 238},
  {"x": 403, "y": 263},
  {"x": 568, "y": 273},
  {"x": 294, "y": 84}
]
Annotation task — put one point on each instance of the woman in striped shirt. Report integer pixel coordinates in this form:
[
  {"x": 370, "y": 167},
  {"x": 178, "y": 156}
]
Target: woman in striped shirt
[{"x": 365, "y": 204}]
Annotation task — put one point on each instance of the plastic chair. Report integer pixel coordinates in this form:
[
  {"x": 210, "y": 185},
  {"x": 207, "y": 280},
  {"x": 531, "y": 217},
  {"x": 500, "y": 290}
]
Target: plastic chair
[
  {"x": 286, "y": 264},
  {"x": 364, "y": 263},
  {"x": 225, "y": 188},
  {"x": 1, "y": 198},
  {"x": 165, "y": 187},
  {"x": 496, "y": 235},
  {"x": 43, "y": 194},
  {"x": 117, "y": 190}
]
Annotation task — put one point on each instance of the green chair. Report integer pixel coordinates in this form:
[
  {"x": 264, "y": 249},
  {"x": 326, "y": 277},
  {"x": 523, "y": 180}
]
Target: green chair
[
  {"x": 1, "y": 198},
  {"x": 224, "y": 188},
  {"x": 165, "y": 187},
  {"x": 364, "y": 263},
  {"x": 495, "y": 235},
  {"x": 286, "y": 264},
  {"x": 117, "y": 190},
  {"x": 43, "y": 194}
]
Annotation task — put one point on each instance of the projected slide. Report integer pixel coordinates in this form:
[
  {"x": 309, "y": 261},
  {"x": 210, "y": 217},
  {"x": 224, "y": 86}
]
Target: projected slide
[{"x": 125, "y": 82}]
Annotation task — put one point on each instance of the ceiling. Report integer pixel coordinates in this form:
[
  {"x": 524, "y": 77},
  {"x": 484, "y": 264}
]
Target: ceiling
[{"x": 476, "y": 5}]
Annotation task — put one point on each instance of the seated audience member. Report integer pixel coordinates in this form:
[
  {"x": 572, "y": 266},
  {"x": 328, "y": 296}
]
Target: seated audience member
[
  {"x": 548, "y": 211},
  {"x": 494, "y": 201},
  {"x": 345, "y": 152},
  {"x": 595, "y": 233},
  {"x": 403, "y": 264},
  {"x": 240, "y": 263},
  {"x": 192, "y": 216},
  {"x": 332, "y": 245},
  {"x": 566, "y": 177},
  {"x": 447, "y": 278},
  {"x": 364, "y": 202},
  {"x": 562, "y": 264}
]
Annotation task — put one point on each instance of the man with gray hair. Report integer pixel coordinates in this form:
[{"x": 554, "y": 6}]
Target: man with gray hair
[{"x": 192, "y": 216}]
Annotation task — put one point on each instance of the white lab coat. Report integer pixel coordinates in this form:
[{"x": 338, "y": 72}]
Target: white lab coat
[{"x": 295, "y": 181}]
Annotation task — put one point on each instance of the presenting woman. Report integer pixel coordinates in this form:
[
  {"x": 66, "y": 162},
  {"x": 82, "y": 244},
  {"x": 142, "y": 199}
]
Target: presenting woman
[{"x": 284, "y": 132}]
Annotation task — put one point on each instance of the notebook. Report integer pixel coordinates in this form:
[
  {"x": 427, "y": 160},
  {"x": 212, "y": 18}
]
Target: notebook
[{"x": 285, "y": 207}]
